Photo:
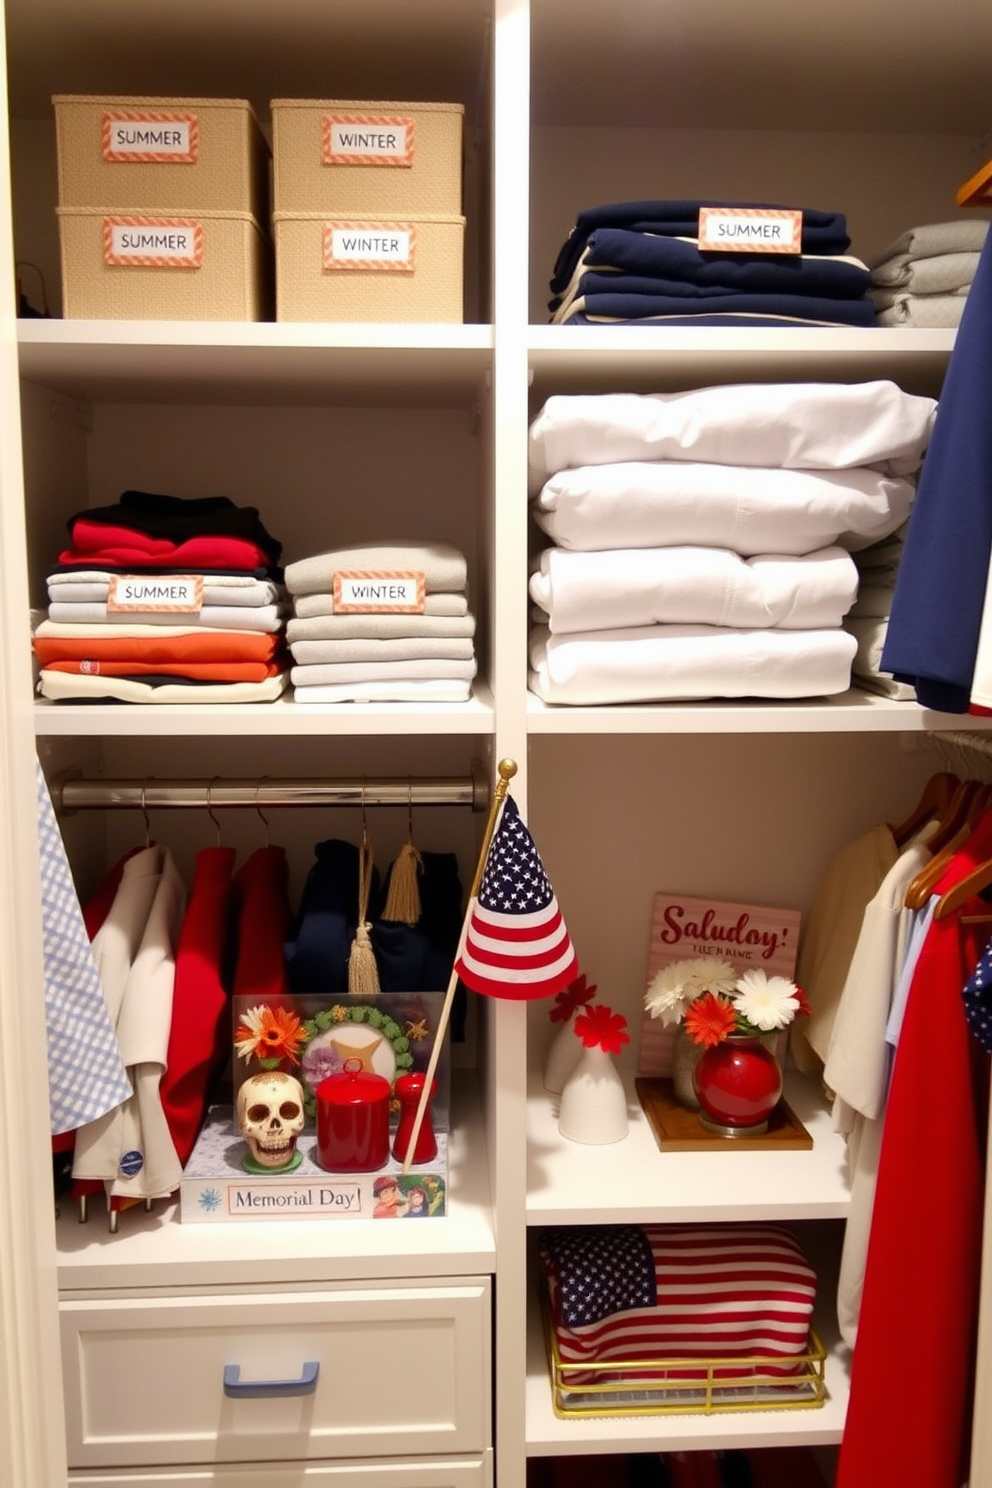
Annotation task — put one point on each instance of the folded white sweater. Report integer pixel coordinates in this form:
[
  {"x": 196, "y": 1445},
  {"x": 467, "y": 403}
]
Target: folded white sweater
[
  {"x": 654, "y": 504},
  {"x": 801, "y": 426},
  {"x": 627, "y": 587}
]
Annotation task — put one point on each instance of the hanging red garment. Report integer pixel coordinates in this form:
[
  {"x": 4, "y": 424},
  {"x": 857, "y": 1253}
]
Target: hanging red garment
[
  {"x": 261, "y": 887},
  {"x": 200, "y": 1032},
  {"x": 909, "y": 1414}
]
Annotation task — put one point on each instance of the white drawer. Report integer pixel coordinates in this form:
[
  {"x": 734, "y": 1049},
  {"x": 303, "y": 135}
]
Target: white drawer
[
  {"x": 454, "y": 1473},
  {"x": 397, "y": 1371}
]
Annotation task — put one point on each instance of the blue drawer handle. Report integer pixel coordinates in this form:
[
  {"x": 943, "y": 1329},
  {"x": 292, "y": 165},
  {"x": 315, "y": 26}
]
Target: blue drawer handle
[{"x": 255, "y": 1389}]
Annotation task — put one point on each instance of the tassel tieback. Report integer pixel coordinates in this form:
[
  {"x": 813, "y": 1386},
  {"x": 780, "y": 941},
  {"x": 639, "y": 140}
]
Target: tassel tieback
[{"x": 403, "y": 899}]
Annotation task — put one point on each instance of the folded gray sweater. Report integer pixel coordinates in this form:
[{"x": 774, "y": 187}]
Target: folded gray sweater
[{"x": 442, "y": 565}]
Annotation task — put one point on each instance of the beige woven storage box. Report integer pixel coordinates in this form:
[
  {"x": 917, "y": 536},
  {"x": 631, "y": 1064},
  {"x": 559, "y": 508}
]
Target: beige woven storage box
[
  {"x": 372, "y": 269},
  {"x": 161, "y": 154},
  {"x": 143, "y": 266},
  {"x": 357, "y": 157}
]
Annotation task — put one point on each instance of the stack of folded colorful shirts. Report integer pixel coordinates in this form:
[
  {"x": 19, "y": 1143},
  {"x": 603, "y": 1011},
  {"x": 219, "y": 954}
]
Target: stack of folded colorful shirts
[
  {"x": 868, "y": 618},
  {"x": 923, "y": 278},
  {"x": 640, "y": 263},
  {"x": 704, "y": 540},
  {"x": 371, "y": 651},
  {"x": 160, "y": 599}
]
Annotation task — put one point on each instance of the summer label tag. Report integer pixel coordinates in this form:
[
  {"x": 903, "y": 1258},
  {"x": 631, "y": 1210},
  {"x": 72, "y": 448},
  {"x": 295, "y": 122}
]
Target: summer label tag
[
  {"x": 152, "y": 242},
  {"x": 166, "y": 139},
  {"x": 379, "y": 591},
  {"x": 751, "y": 229},
  {"x": 156, "y": 593}
]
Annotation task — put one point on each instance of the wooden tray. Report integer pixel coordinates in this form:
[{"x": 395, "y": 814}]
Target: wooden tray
[{"x": 677, "y": 1129}]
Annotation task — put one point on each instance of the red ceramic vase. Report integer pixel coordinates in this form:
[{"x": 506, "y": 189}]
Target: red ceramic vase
[{"x": 738, "y": 1085}]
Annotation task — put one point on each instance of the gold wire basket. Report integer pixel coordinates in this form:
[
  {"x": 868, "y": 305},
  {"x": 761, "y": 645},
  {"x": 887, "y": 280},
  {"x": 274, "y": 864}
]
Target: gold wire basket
[{"x": 660, "y": 1387}]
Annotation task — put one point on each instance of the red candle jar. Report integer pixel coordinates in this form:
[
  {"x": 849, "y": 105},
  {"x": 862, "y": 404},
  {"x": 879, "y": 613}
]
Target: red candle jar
[
  {"x": 408, "y": 1091},
  {"x": 353, "y": 1120}
]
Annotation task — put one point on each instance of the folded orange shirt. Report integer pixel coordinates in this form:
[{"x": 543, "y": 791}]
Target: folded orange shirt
[{"x": 192, "y": 645}]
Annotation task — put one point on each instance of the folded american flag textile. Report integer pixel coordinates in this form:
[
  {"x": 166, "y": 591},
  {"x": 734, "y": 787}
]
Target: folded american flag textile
[{"x": 727, "y": 1292}]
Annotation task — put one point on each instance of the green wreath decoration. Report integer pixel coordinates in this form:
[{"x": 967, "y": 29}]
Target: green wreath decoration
[{"x": 340, "y": 1013}]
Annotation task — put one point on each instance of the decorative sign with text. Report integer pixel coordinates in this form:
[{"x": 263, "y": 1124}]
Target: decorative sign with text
[{"x": 684, "y": 928}]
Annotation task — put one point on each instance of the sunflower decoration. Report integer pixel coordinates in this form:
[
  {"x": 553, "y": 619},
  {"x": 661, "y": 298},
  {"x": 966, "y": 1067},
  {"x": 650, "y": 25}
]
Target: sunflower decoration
[{"x": 269, "y": 1035}]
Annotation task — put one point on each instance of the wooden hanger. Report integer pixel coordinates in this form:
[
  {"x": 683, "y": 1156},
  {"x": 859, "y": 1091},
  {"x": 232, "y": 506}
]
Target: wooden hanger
[
  {"x": 938, "y": 793},
  {"x": 973, "y": 883},
  {"x": 966, "y": 807}
]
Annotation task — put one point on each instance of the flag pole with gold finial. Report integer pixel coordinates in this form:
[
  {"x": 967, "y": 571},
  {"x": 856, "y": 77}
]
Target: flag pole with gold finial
[{"x": 506, "y": 769}]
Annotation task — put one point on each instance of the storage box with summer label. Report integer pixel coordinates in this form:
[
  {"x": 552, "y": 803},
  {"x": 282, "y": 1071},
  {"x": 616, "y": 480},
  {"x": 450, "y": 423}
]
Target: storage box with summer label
[
  {"x": 406, "y": 268},
  {"x": 358, "y": 158},
  {"x": 161, "y": 154},
  {"x": 164, "y": 265}
]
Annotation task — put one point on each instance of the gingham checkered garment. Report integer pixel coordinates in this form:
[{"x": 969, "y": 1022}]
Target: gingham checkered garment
[{"x": 86, "y": 1075}]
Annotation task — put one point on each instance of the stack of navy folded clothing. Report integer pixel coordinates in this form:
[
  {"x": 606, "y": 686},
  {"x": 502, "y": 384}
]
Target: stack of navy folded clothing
[
  {"x": 367, "y": 651},
  {"x": 640, "y": 263},
  {"x": 160, "y": 599}
]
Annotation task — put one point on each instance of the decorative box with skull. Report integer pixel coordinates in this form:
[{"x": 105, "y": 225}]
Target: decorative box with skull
[{"x": 270, "y": 1118}]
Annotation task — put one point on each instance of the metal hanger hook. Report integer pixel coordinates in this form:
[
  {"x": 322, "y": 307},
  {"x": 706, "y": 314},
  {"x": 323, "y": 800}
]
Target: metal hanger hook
[{"x": 210, "y": 810}]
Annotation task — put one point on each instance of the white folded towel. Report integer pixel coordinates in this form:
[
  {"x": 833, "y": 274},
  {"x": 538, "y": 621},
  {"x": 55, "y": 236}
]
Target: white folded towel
[
  {"x": 693, "y": 586},
  {"x": 655, "y": 504},
  {"x": 801, "y": 426},
  {"x": 668, "y": 663}
]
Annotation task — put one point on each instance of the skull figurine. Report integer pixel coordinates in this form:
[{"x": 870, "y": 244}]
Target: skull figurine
[{"x": 270, "y": 1118}]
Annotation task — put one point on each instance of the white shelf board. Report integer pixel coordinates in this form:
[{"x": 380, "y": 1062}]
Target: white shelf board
[
  {"x": 566, "y": 359},
  {"x": 251, "y": 363},
  {"x": 283, "y": 717},
  {"x": 157, "y": 1250},
  {"x": 853, "y": 711},
  {"x": 549, "y": 1435},
  {"x": 632, "y": 1181}
]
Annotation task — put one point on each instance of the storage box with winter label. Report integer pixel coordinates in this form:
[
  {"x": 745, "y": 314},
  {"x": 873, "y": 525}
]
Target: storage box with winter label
[
  {"x": 370, "y": 268},
  {"x": 355, "y": 157},
  {"x": 161, "y": 154}
]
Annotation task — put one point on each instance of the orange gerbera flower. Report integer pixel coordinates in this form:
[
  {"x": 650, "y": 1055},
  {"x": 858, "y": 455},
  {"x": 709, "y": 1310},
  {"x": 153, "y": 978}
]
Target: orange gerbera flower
[
  {"x": 709, "y": 1020},
  {"x": 269, "y": 1033}
]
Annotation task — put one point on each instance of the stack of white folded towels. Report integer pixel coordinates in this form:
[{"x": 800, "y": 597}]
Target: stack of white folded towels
[
  {"x": 703, "y": 540},
  {"x": 923, "y": 278},
  {"x": 374, "y": 655}
]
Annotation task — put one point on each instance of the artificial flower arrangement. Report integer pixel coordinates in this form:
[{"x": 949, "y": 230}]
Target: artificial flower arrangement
[{"x": 713, "y": 1001}]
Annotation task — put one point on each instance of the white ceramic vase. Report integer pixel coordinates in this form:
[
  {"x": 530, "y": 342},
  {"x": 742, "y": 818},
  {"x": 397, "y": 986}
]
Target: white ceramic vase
[
  {"x": 593, "y": 1107},
  {"x": 563, "y": 1056}
]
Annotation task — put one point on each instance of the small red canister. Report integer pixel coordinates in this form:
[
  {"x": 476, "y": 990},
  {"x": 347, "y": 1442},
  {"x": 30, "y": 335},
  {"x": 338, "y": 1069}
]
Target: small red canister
[
  {"x": 409, "y": 1089},
  {"x": 353, "y": 1120}
]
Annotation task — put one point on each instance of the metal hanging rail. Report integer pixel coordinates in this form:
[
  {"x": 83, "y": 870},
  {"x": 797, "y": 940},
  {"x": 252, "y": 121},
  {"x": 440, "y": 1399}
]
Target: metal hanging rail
[{"x": 153, "y": 793}]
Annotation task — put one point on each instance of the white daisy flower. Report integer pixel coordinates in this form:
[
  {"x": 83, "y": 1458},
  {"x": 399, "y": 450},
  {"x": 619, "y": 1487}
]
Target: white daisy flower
[
  {"x": 671, "y": 989},
  {"x": 766, "y": 1002}
]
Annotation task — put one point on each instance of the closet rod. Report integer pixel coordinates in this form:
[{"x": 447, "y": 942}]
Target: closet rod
[{"x": 73, "y": 793}]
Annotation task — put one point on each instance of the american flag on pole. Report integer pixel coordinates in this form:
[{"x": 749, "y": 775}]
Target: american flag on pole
[{"x": 516, "y": 942}]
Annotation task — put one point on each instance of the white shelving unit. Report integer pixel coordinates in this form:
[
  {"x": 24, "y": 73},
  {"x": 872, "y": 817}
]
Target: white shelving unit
[{"x": 339, "y": 432}]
